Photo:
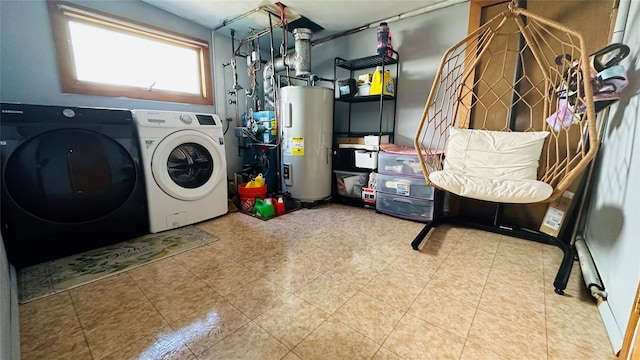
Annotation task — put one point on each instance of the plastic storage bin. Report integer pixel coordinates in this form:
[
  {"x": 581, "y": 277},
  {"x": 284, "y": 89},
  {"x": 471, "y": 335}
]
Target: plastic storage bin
[
  {"x": 405, "y": 186},
  {"x": 366, "y": 159},
  {"x": 390, "y": 163},
  {"x": 405, "y": 207},
  {"x": 350, "y": 183}
]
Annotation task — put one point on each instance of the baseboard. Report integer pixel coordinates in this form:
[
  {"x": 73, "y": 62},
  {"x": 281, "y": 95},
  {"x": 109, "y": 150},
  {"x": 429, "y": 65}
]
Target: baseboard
[{"x": 611, "y": 325}]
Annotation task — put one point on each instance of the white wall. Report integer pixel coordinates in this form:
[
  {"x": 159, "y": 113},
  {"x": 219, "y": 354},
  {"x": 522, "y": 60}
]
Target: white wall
[{"x": 612, "y": 223}]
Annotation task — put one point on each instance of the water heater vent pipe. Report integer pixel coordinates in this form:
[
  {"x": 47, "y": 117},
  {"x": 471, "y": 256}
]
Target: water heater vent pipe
[{"x": 299, "y": 59}]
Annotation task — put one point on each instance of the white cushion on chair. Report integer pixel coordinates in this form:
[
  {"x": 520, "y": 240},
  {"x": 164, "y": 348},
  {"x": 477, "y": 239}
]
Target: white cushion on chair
[
  {"x": 499, "y": 166},
  {"x": 488, "y": 154},
  {"x": 496, "y": 190}
]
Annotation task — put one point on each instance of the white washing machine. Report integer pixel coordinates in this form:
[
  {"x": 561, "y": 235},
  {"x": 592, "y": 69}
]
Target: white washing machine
[{"x": 184, "y": 165}]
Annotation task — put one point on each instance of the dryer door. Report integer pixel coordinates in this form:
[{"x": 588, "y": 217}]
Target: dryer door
[
  {"x": 188, "y": 165},
  {"x": 70, "y": 176}
]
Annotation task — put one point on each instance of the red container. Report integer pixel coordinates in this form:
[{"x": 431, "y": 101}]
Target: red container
[{"x": 248, "y": 196}]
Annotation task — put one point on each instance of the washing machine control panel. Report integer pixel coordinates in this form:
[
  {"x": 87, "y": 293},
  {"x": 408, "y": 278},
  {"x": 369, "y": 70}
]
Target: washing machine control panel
[
  {"x": 186, "y": 118},
  {"x": 206, "y": 119}
]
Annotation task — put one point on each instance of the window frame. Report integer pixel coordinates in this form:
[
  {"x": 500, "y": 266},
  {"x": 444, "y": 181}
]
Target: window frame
[{"x": 66, "y": 67}]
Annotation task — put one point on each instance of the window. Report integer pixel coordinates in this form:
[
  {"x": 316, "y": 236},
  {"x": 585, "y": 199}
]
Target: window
[{"x": 106, "y": 55}]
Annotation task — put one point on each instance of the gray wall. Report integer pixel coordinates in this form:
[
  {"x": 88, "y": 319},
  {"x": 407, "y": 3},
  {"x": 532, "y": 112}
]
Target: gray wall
[
  {"x": 28, "y": 69},
  {"x": 421, "y": 41},
  {"x": 223, "y": 81}
]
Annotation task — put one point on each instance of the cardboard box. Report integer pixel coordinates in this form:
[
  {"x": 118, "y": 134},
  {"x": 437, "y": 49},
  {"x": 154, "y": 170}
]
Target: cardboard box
[
  {"x": 350, "y": 140},
  {"x": 559, "y": 211}
]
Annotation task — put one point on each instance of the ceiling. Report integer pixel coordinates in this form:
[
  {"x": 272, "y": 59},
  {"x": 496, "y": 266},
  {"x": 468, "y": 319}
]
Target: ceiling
[{"x": 335, "y": 16}]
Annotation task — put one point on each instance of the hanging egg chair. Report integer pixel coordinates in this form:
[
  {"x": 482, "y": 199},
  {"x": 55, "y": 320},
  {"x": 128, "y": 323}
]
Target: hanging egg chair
[{"x": 509, "y": 119}]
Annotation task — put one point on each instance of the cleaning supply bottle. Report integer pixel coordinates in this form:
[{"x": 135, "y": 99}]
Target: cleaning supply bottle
[
  {"x": 264, "y": 208},
  {"x": 382, "y": 82},
  {"x": 257, "y": 182},
  {"x": 384, "y": 40},
  {"x": 280, "y": 206}
]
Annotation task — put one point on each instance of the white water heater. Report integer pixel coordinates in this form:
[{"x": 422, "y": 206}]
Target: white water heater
[{"x": 307, "y": 127}]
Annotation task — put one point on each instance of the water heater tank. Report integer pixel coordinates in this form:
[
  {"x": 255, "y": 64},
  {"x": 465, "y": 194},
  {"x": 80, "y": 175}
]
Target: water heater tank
[{"x": 307, "y": 118}]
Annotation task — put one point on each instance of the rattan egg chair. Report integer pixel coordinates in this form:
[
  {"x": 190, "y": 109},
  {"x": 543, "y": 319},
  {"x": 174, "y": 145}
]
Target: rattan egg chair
[{"x": 510, "y": 120}]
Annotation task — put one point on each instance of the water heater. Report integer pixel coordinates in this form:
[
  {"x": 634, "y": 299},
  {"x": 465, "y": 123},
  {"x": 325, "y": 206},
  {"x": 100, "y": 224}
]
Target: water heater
[{"x": 307, "y": 125}]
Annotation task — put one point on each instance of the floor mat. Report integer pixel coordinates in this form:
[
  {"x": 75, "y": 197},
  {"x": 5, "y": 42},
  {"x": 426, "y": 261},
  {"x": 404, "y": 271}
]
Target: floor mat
[{"x": 51, "y": 277}]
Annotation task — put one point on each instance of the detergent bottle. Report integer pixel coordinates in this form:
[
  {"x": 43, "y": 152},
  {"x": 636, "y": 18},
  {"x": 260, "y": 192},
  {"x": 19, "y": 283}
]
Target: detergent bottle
[
  {"x": 264, "y": 209},
  {"x": 257, "y": 182},
  {"x": 382, "y": 82}
]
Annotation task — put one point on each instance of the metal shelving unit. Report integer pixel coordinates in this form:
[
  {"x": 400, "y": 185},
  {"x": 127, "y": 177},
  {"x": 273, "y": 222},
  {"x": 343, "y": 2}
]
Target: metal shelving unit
[{"x": 343, "y": 159}]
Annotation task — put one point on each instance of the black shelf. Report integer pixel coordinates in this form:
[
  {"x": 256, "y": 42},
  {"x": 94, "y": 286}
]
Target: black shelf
[
  {"x": 362, "y": 99},
  {"x": 344, "y": 158},
  {"x": 359, "y": 133},
  {"x": 365, "y": 62},
  {"x": 352, "y": 201}
]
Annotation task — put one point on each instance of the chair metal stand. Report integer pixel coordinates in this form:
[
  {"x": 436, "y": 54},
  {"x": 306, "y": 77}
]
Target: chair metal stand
[{"x": 564, "y": 271}]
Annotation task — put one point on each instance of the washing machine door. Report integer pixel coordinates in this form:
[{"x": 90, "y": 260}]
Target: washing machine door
[{"x": 188, "y": 165}]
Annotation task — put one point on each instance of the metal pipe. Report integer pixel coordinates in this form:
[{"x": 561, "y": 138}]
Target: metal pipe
[
  {"x": 236, "y": 87},
  {"x": 589, "y": 271},
  {"x": 373, "y": 25},
  {"x": 242, "y": 16},
  {"x": 268, "y": 75},
  {"x": 259, "y": 34},
  {"x": 234, "y": 70},
  {"x": 302, "y": 54},
  {"x": 300, "y": 60},
  {"x": 284, "y": 47},
  {"x": 335, "y": 36}
]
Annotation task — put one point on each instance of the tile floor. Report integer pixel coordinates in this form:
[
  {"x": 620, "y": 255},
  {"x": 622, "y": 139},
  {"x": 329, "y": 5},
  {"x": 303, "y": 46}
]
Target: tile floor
[{"x": 333, "y": 282}]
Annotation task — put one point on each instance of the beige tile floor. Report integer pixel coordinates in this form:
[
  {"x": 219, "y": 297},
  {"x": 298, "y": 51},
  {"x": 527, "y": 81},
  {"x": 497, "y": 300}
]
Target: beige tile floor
[{"x": 333, "y": 282}]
